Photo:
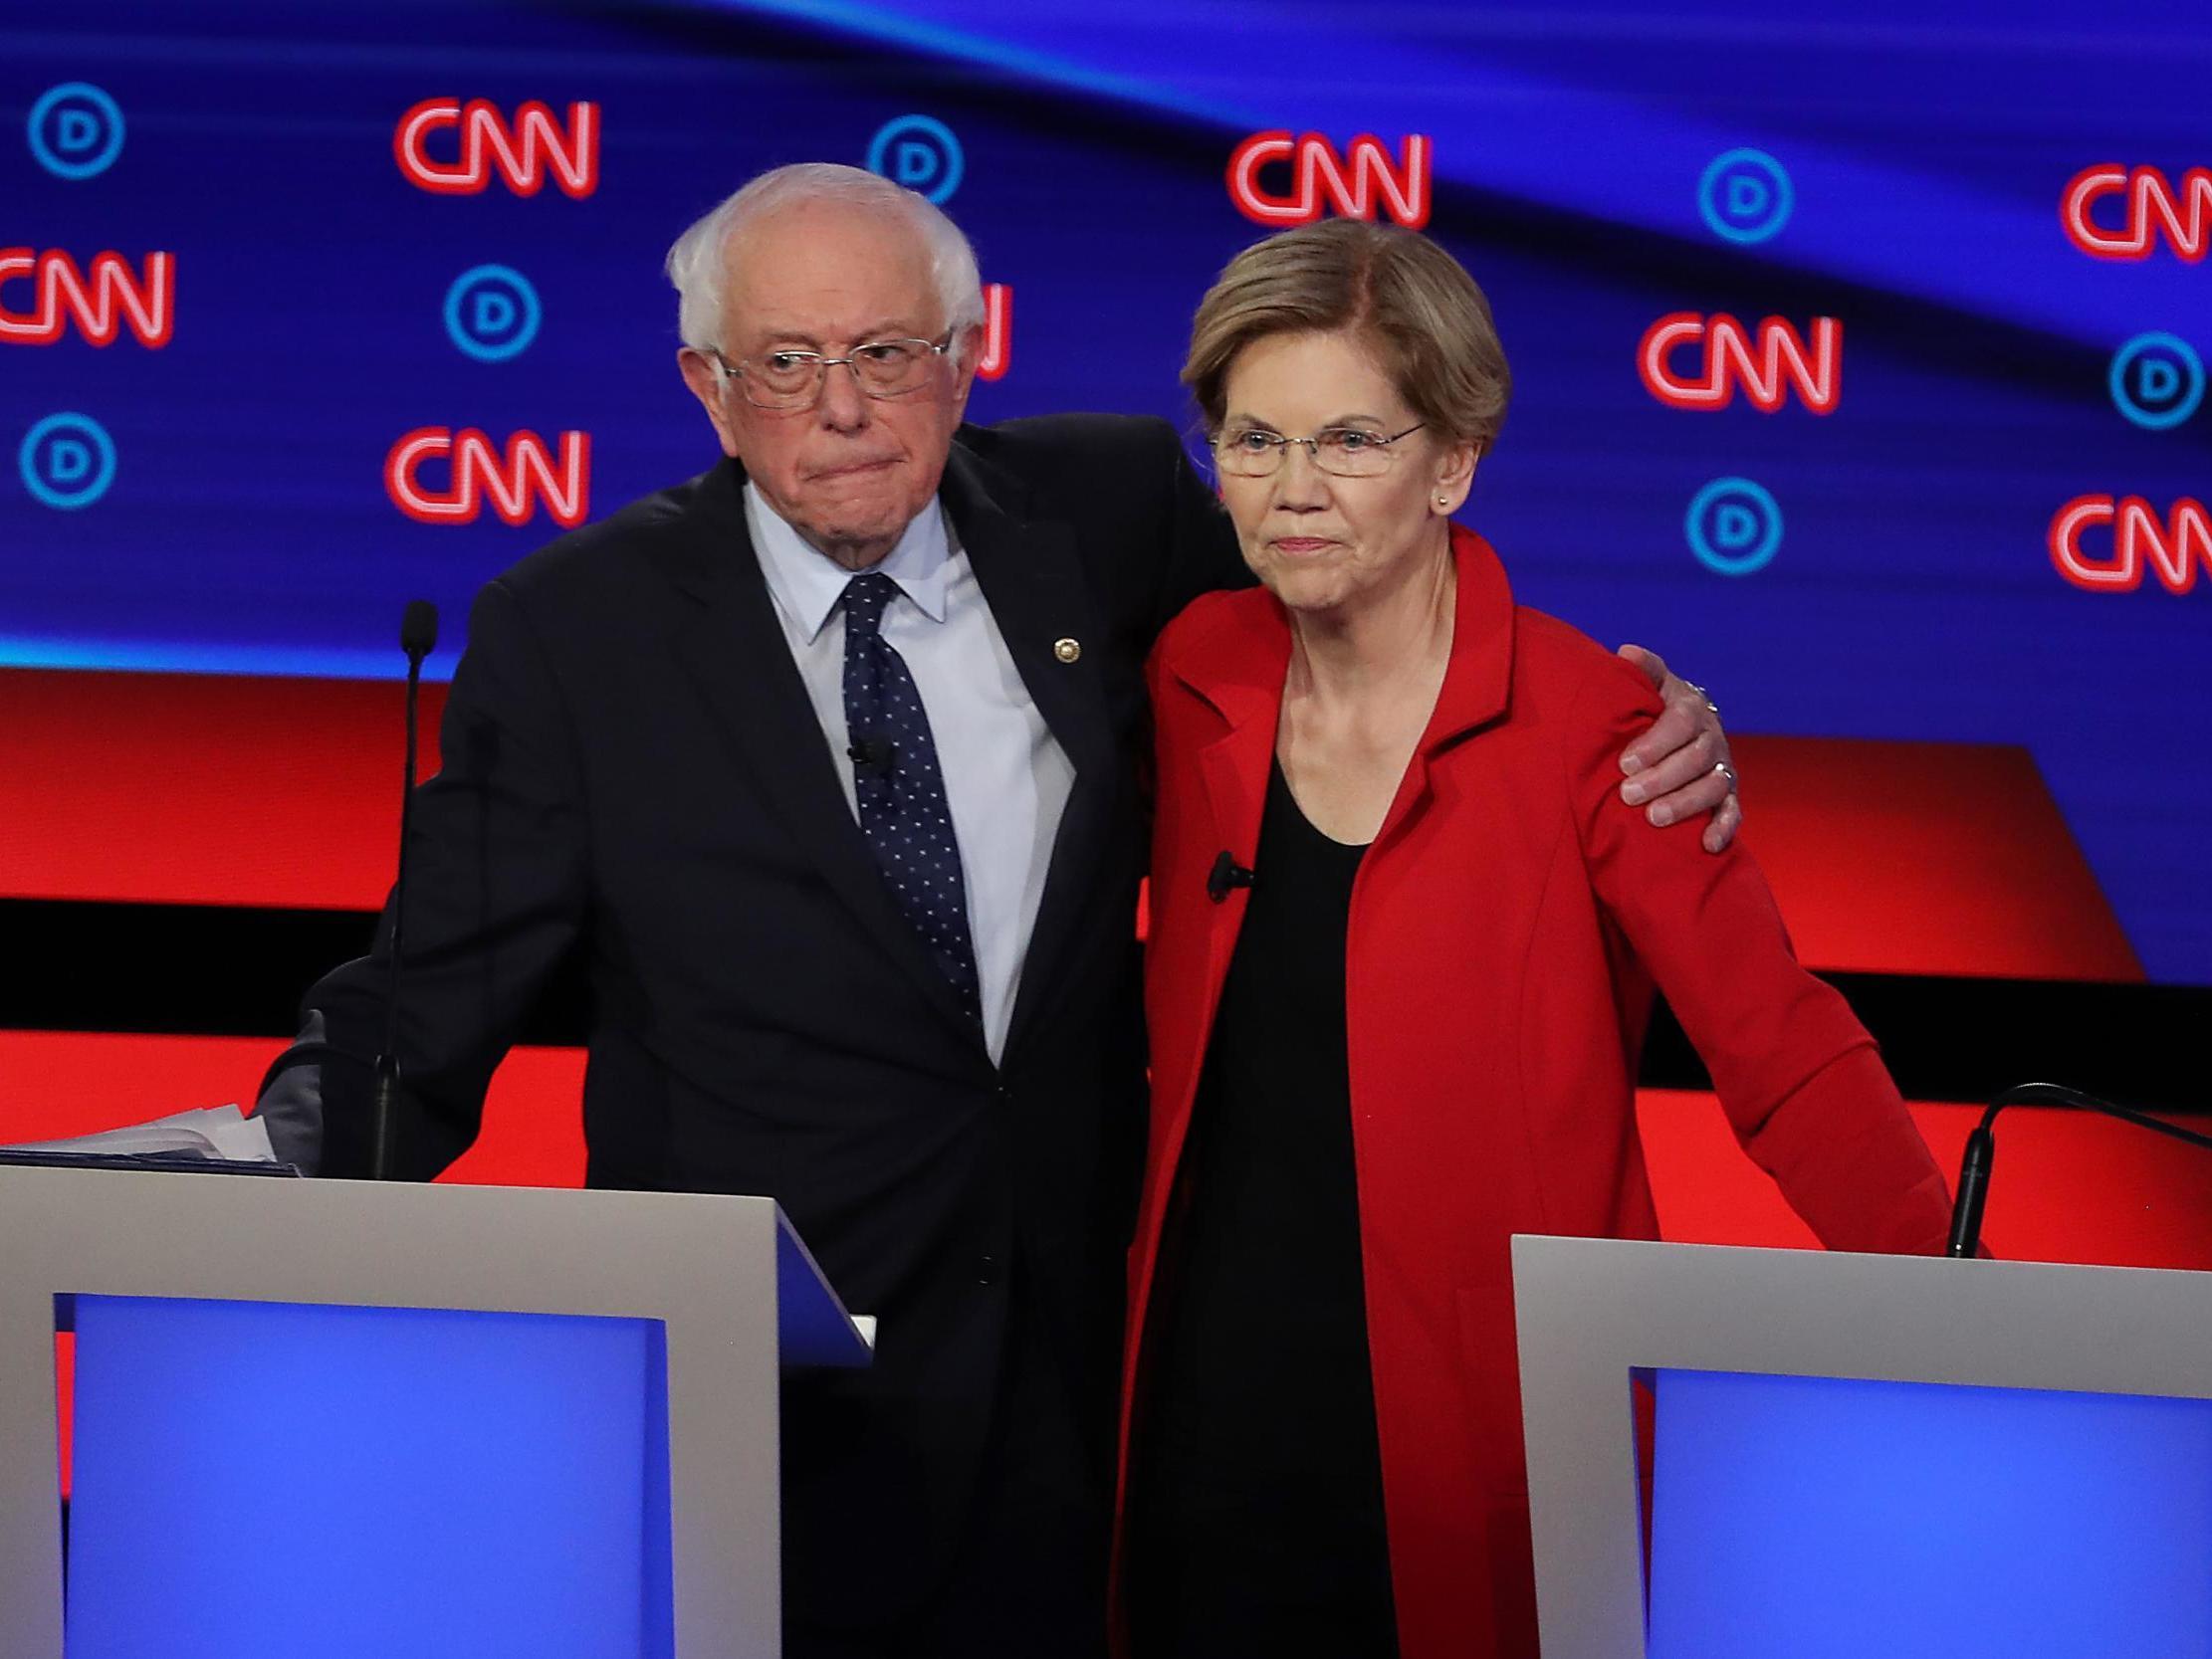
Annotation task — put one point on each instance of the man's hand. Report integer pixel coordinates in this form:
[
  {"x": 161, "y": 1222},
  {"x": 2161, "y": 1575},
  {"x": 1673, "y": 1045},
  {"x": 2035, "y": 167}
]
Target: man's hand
[{"x": 1681, "y": 766}]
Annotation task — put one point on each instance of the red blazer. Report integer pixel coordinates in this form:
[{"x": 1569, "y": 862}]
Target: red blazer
[{"x": 1506, "y": 927}]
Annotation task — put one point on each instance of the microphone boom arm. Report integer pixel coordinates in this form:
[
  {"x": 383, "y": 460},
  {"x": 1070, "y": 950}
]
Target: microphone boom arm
[{"x": 1981, "y": 1149}]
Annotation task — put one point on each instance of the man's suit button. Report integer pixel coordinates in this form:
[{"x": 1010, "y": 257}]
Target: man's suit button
[
  {"x": 1006, "y": 1095},
  {"x": 986, "y": 1269}
]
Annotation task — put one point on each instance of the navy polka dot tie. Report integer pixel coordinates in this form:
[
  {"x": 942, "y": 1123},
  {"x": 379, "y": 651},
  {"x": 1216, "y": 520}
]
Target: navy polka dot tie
[{"x": 900, "y": 789}]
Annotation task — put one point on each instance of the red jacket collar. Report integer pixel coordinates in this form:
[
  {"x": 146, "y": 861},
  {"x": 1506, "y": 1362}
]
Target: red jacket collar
[{"x": 1237, "y": 659}]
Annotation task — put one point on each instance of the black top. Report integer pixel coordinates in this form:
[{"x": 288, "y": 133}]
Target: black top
[{"x": 1257, "y": 1499}]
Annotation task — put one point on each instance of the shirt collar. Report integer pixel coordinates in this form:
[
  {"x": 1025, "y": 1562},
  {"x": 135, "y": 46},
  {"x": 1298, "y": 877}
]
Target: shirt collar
[{"x": 806, "y": 584}]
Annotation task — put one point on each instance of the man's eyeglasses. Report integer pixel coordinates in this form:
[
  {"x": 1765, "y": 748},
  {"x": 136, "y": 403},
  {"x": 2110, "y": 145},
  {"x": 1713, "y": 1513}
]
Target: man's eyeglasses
[
  {"x": 1345, "y": 451},
  {"x": 794, "y": 379}
]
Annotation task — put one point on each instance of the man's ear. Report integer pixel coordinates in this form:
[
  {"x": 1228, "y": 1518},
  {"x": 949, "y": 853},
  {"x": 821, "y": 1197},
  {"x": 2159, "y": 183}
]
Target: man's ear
[
  {"x": 703, "y": 376},
  {"x": 967, "y": 352}
]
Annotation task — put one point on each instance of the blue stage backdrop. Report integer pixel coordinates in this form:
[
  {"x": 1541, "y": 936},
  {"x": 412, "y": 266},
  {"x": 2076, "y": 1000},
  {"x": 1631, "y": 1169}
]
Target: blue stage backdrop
[{"x": 1861, "y": 361}]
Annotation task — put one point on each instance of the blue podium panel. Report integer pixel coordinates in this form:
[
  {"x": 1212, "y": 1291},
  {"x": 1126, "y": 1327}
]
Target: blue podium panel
[
  {"x": 1827, "y": 1519},
  {"x": 256, "y": 1480}
]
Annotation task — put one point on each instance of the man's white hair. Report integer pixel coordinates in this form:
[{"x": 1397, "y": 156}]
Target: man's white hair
[{"x": 698, "y": 260}]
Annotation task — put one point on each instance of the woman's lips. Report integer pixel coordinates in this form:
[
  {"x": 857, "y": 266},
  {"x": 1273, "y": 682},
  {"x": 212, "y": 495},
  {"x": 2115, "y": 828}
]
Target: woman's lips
[{"x": 1296, "y": 544}]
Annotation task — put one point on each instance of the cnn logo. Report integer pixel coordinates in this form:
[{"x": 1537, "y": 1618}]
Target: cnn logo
[
  {"x": 1365, "y": 178},
  {"x": 2170, "y": 547},
  {"x": 515, "y": 481},
  {"x": 100, "y": 302},
  {"x": 2151, "y": 206},
  {"x": 475, "y": 140},
  {"x": 1767, "y": 363}
]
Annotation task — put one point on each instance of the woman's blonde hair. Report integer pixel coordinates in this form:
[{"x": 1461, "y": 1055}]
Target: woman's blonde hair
[{"x": 1420, "y": 312}]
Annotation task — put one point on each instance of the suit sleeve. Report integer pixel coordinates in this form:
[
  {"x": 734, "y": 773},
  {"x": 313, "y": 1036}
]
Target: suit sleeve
[
  {"x": 1798, "y": 1076},
  {"x": 496, "y": 899}
]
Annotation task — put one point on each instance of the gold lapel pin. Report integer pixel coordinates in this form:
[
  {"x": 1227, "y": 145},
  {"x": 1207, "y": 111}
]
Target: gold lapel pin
[{"x": 1067, "y": 650}]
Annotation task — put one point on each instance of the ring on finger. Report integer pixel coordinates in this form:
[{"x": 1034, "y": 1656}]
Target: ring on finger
[{"x": 1727, "y": 771}]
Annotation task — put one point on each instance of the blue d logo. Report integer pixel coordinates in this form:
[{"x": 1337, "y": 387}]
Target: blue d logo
[
  {"x": 66, "y": 461},
  {"x": 74, "y": 130},
  {"x": 492, "y": 312},
  {"x": 2156, "y": 381},
  {"x": 1744, "y": 196},
  {"x": 1747, "y": 199},
  {"x": 920, "y": 152},
  {"x": 1734, "y": 526},
  {"x": 914, "y": 163}
]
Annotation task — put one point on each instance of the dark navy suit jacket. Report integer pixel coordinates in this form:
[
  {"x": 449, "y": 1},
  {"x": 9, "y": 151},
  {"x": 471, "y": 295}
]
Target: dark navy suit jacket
[{"x": 632, "y": 774}]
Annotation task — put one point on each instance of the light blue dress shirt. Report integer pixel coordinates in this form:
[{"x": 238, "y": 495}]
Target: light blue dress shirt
[{"x": 1007, "y": 778}]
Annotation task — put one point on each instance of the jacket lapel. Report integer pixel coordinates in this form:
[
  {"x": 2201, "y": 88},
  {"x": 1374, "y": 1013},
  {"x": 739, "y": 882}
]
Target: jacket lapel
[
  {"x": 1477, "y": 680},
  {"x": 733, "y": 647},
  {"x": 1236, "y": 666},
  {"x": 1032, "y": 580}
]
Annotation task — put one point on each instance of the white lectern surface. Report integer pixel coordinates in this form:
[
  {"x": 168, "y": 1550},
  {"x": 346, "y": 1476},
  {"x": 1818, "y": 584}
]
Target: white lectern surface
[
  {"x": 182, "y": 1267},
  {"x": 2017, "y": 1457}
]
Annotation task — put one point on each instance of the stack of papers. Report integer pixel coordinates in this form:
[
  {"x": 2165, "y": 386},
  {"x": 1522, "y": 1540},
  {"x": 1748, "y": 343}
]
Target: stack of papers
[{"x": 215, "y": 1132}]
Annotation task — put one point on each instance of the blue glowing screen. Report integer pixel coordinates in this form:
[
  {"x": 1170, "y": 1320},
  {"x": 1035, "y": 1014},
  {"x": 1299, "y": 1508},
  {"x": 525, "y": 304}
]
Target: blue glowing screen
[
  {"x": 263, "y": 1481},
  {"x": 1819, "y": 1518}
]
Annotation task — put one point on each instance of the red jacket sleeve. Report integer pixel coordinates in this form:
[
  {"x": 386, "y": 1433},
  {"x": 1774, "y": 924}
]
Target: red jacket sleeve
[{"x": 1798, "y": 1076}]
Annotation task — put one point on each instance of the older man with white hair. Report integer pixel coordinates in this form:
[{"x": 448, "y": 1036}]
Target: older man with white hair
[{"x": 828, "y": 763}]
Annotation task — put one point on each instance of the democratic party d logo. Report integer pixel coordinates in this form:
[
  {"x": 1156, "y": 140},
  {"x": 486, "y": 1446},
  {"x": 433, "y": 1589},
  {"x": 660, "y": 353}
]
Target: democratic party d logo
[
  {"x": 492, "y": 312},
  {"x": 2156, "y": 381},
  {"x": 920, "y": 152},
  {"x": 1744, "y": 196},
  {"x": 1734, "y": 526},
  {"x": 66, "y": 461},
  {"x": 74, "y": 130}
]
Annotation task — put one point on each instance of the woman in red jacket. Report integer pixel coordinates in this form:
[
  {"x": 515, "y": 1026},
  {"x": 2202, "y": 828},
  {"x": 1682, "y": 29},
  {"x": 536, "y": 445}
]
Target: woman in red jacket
[{"x": 1404, "y": 939}]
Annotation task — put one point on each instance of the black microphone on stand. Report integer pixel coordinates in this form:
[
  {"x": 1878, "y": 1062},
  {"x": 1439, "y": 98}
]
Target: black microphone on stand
[
  {"x": 1981, "y": 1149},
  {"x": 418, "y": 636}
]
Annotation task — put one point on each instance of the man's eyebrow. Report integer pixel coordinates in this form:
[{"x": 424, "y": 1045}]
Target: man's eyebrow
[{"x": 792, "y": 336}]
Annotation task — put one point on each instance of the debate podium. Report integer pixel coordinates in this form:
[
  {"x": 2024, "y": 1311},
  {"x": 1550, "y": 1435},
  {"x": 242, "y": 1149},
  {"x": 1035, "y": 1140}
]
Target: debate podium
[
  {"x": 332, "y": 1419},
  {"x": 1852, "y": 1454}
]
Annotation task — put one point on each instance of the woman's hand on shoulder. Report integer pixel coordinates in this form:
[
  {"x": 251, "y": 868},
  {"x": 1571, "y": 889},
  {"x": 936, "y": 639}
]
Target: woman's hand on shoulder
[{"x": 1681, "y": 766}]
